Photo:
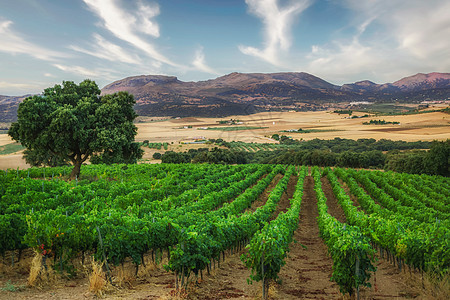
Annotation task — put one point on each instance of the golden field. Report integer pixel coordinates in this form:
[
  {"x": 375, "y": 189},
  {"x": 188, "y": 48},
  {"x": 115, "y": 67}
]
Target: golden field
[{"x": 424, "y": 127}]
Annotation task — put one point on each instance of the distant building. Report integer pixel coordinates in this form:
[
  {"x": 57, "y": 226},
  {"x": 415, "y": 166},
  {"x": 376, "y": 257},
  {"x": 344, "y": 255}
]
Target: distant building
[{"x": 360, "y": 103}]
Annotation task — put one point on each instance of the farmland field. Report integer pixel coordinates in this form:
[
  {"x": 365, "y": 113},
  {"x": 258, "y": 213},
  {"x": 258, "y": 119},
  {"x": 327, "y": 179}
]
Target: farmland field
[
  {"x": 203, "y": 230},
  {"x": 322, "y": 125},
  {"x": 425, "y": 127}
]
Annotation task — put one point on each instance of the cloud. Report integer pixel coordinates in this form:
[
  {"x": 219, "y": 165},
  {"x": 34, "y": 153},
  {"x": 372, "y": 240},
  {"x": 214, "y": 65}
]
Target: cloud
[
  {"x": 391, "y": 39},
  {"x": 342, "y": 61},
  {"x": 106, "y": 50},
  {"x": 277, "y": 24},
  {"x": 200, "y": 64},
  {"x": 84, "y": 72},
  {"x": 18, "y": 86},
  {"x": 127, "y": 26},
  {"x": 145, "y": 24},
  {"x": 419, "y": 27},
  {"x": 12, "y": 42}
]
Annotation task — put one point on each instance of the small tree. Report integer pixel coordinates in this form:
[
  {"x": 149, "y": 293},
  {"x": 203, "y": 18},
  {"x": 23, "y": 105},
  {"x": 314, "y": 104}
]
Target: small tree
[
  {"x": 172, "y": 157},
  {"x": 73, "y": 123}
]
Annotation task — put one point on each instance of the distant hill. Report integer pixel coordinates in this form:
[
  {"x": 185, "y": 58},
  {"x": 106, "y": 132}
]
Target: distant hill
[
  {"x": 421, "y": 82},
  {"x": 8, "y": 107},
  {"x": 247, "y": 93}
]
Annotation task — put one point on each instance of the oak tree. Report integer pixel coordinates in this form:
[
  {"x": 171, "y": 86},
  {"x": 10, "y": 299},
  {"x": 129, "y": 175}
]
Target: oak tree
[{"x": 72, "y": 123}]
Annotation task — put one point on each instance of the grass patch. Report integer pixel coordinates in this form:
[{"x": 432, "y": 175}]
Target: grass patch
[
  {"x": 10, "y": 287},
  {"x": 390, "y": 109},
  {"x": 386, "y": 109},
  {"x": 10, "y": 148},
  {"x": 235, "y": 128}
]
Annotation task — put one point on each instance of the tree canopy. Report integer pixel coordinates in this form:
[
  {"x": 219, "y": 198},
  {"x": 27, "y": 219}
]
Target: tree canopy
[{"x": 71, "y": 123}]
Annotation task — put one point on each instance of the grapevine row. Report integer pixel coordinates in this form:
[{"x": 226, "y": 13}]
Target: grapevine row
[
  {"x": 351, "y": 251},
  {"x": 422, "y": 245},
  {"x": 268, "y": 248}
]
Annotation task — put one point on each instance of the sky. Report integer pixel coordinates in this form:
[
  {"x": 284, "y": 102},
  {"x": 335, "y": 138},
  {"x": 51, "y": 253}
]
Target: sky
[{"x": 45, "y": 42}]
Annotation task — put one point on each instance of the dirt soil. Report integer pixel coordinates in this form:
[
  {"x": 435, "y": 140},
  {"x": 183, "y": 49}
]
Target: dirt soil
[{"x": 307, "y": 272}]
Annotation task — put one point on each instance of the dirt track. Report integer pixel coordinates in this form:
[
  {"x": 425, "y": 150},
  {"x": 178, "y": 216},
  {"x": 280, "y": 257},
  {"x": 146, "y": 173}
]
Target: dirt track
[{"x": 307, "y": 272}]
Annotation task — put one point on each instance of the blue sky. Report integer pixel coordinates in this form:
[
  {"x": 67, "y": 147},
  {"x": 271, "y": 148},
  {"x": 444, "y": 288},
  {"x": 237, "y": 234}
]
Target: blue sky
[{"x": 43, "y": 42}]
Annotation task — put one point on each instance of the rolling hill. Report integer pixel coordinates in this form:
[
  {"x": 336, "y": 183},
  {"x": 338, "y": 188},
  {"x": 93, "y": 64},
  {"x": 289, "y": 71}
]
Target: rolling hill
[{"x": 247, "y": 93}]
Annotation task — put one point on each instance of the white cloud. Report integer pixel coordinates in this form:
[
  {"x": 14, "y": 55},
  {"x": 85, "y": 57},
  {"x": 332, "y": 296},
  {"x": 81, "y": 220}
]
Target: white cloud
[
  {"x": 18, "y": 86},
  {"x": 420, "y": 27},
  {"x": 126, "y": 26},
  {"x": 145, "y": 13},
  {"x": 200, "y": 64},
  {"x": 84, "y": 72},
  {"x": 341, "y": 62},
  {"x": 277, "y": 24},
  {"x": 106, "y": 50},
  {"x": 425, "y": 30},
  {"x": 13, "y": 42},
  {"x": 405, "y": 36}
]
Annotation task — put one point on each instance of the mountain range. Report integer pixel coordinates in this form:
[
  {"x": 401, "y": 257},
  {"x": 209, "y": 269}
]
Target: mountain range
[{"x": 246, "y": 93}]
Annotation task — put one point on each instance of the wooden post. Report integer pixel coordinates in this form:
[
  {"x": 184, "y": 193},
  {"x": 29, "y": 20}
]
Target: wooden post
[
  {"x": 357, "y": 275},
  {"x": 61, "y": 261},
  {"x": 182, "y": 276},
  {"x": 142, "y": 260},
  {"x": 104, "y": 256},
  {"x": 263, "y": 279}
]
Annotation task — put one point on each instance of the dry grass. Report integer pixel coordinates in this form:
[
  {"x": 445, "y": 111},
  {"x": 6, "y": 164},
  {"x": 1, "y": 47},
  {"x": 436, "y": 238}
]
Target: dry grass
[
  {"x": 146, "y": 271},
  {"x": 97, "y": 279},
  {"x": 124, "y": 277},
  {"x": 427, "y": 286},
  {"x": 272, "y": 293},
  {"x": 35, "y": 270},
  {"x": 438, "y": 287},
  {"x": 41, "y": 275},
  {"x": 22, "y": 267}
]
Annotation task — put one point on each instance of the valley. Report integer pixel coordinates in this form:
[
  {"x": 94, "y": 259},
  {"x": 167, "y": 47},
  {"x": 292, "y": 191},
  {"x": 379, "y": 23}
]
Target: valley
[{"x": 180, "y": 133}]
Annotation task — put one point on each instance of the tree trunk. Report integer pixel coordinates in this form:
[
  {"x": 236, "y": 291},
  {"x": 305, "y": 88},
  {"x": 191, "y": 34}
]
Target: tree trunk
[{"x": 76, "y": 170}]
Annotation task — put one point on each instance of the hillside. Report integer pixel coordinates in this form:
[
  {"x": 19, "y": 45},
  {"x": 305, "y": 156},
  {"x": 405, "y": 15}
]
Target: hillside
[
  {"x": 248, "y": 93},
  {"x": 8, "y": 107},
  {"x": 240, "y": 93}
]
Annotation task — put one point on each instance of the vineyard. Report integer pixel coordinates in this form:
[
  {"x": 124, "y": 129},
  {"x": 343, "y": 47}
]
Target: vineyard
[{"x": 194, "y": 221}]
